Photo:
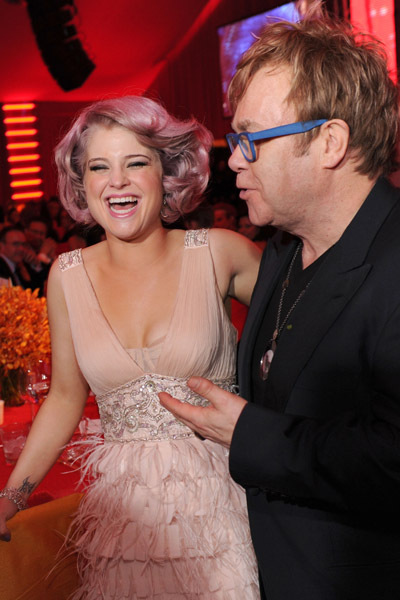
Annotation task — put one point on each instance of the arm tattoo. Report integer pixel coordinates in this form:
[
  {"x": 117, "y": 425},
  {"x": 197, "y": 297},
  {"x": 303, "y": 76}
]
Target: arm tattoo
[{"x": 26, "y": 487}]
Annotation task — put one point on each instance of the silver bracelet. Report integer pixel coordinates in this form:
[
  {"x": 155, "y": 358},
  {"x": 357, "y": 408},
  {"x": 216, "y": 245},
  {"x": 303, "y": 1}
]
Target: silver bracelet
[{"x": 15, "y": 496}]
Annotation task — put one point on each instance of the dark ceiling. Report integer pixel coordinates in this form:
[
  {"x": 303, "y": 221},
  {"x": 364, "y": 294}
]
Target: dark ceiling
[{"x": 128, "y": 40}]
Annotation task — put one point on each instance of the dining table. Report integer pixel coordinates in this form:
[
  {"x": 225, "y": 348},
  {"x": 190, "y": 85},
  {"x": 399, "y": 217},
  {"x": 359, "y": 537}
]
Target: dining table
[
  {"x": 35, "y": 564},
  {"x": 63, "y": 478}
]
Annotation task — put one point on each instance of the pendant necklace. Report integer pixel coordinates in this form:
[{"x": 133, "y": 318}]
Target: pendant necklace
[{"x": 266, "y": 359}]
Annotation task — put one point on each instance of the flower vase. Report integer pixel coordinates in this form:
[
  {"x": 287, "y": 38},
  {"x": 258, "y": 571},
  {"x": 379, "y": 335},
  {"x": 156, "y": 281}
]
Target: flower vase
[{"x": 13, "y": 387}]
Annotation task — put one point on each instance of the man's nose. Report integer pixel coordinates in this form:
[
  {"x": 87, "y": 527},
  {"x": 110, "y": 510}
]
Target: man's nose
[{"x": 237, "y": 161}]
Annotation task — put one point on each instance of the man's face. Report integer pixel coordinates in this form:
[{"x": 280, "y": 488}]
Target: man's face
[
  {"x": 223, "y": 220},
  {"x": 277, "y": 186},
  {"x": 247, "y": 228},
  {"x": 36, "y": 234},
  {"x": 13, "y": 246}
]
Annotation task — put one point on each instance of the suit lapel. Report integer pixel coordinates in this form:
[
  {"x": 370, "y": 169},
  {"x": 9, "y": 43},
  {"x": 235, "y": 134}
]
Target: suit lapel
[
  {"x": 335, "y": 283},
  {"x": 6, "y": 272}
]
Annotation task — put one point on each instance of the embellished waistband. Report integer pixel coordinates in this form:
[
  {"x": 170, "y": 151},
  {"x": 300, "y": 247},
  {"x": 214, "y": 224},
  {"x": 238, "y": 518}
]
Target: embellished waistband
[{"x": 132, "y": 412}]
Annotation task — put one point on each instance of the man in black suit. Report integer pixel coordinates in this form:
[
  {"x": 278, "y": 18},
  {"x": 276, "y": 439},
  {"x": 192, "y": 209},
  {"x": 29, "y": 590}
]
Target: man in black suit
[
  {"x": 314, "y": 436},
  {"x": 12, "y": 251}
]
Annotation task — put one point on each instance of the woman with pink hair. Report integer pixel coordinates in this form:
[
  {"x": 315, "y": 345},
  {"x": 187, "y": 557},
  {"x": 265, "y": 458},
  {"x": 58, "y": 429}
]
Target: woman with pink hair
[{"x": 130, "y": 317}]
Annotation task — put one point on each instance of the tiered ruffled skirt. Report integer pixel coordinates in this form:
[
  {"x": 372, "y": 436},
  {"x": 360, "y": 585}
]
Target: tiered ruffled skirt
[{"x": 163, "y": 520}]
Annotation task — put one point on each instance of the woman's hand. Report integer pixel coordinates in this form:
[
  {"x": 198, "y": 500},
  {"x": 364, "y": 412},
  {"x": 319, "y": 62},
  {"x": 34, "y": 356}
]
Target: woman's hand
[{"x": 8, "y": 509}]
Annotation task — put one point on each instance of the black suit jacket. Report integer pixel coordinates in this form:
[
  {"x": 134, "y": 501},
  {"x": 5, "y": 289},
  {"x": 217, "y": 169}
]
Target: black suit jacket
[
  {"x": 32, "y": 280},
  {"x": 5, "y": 271},
  {"x": 321, "y": 458}
]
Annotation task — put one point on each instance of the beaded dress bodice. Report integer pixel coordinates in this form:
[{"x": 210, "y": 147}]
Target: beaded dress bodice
[{"x": 200, "y": 341}]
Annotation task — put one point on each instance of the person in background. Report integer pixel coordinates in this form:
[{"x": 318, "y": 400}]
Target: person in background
[
  {"x": 40, "y": 252},
  {"x": 12, "y": 252},
  {"x": 66, "y": 225},
  {"x": 200, "y": 218},
  {"x": 76, "y": 241},
  {"x": 252, "y": 232},
  {"x": 130, "y": 316},
  {"x": 30, "y": 210},
  {"x": 224, "y": 216},
  {"x": 12, "y": 217},
  {"x": 50, "y": 213},
  {"x": 36, "y": 232},
  {"x": 315, "y": 434}
]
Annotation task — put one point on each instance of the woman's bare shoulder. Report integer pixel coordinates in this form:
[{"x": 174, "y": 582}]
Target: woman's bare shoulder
[
  {"x": 94, "y": 253},
  {"x": 231, "y": 243}
]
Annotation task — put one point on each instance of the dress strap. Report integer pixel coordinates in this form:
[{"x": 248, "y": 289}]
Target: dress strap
[
  {"x": 196, "y": 237},
  {"x": 66, "y": 260}
]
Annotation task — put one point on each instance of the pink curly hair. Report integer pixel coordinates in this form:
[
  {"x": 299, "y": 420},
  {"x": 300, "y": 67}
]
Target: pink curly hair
[{"x": 183, "y": 148}]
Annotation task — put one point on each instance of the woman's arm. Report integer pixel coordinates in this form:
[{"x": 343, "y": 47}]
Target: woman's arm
[
  {"x": 60, "y": 413},
  {"x": 236, "y": 261}
]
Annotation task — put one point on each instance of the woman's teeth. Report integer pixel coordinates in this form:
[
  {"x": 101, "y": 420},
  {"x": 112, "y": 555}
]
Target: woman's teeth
[{"x": 122, "y": 205}]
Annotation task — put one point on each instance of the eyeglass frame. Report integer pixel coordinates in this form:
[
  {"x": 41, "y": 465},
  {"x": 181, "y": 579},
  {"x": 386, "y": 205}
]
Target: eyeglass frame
[{"x": 234, "y": 139}]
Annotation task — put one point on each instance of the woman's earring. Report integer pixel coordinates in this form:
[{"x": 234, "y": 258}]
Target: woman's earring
[{"x": 162, "y": 211}]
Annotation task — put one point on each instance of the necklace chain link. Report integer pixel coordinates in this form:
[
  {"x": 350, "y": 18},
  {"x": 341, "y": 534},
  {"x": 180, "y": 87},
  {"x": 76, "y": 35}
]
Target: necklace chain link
[
  {"x": 279, "y": 326},
  {"x": 266, "y": 359}
]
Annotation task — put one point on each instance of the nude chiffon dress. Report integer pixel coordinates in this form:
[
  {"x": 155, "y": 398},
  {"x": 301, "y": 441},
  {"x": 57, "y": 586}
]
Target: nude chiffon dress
[{"x": 161, "y": 518}]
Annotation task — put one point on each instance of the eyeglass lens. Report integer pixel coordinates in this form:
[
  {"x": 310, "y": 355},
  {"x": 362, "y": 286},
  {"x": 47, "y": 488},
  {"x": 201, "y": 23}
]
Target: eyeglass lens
[
  {"x": 245, "y": 147},
  {"x": 243, "y": 142}
]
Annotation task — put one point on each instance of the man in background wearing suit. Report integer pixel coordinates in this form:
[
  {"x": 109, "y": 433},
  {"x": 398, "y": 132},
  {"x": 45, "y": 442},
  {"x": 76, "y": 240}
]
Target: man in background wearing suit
[
  {"x": 12, "y": 252},
  {"x": 314, "y": 436}
]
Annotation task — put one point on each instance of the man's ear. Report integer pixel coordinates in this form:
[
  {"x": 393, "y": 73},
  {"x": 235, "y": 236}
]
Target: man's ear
[{"x": 334, "y": 135}]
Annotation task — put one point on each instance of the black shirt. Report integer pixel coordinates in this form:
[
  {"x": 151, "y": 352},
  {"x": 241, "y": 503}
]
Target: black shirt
[{"x": 264, "y": 392}]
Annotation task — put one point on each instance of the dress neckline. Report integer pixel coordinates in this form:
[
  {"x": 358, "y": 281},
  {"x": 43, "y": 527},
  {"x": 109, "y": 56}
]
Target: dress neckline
[{"x": 159, "y": 340}]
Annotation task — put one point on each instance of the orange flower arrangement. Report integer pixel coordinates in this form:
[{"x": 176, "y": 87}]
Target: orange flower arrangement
[{"x": 24, "y": 336}]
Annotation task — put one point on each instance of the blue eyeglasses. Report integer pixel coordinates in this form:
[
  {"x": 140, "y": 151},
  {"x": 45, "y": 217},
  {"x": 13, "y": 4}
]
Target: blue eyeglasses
[{"x": 246, "y": 140}]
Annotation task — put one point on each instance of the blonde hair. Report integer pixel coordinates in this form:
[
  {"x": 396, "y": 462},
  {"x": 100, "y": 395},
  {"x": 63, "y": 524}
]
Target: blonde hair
[{"x": 337, "y": 73}]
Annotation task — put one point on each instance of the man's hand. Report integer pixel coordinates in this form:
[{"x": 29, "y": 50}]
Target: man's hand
[
  {"x": 30, "y": 256},
  {"x": 49, "y": 248},
  {"x": 215, "y": 422}
]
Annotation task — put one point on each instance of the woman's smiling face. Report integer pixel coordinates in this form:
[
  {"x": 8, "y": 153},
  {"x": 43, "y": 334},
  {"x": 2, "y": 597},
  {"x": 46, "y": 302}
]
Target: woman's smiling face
[{"x": 123, "y": 182}]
